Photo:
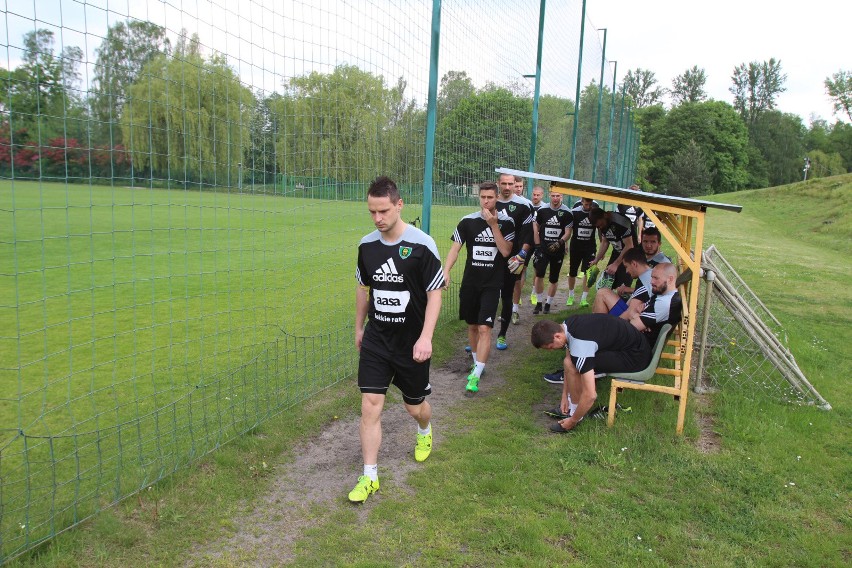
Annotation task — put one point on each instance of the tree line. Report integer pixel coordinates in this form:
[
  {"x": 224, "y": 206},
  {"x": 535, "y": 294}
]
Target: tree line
[{"x": 167, "y": 112}]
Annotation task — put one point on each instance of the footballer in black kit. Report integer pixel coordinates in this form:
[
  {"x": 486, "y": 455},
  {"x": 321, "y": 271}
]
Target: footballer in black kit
[
  {"x": 551, "y": 230},
  {"x": 583, "y": 243},
  {"x": 485, "y": 267},
  {"x": 398, "y": 274},
  {"x": 615, "y": 228}
]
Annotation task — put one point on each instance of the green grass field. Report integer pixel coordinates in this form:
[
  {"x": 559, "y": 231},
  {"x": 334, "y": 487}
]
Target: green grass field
[
  {"x": 144, "y": 327},
  {"x": 171, "y": 308}
]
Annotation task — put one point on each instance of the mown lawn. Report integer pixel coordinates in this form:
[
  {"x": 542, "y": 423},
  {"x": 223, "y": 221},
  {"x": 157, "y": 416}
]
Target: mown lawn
[{"x": 501, "y": 492}]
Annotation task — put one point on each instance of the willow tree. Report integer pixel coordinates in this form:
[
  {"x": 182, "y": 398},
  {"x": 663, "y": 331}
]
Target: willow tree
[
  {"x": 334, "y": 125},
  {"x": 187, "y": 119}
]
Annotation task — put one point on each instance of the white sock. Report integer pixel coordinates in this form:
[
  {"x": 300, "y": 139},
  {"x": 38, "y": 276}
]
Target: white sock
[
  {"x": 473, "y": 354},
  {"x": 515, "y": 308},
  {"x": 540, "y": 297},
  {"x": 372, "y": 471},
  {"x": 571, "y": 408},
  {"x": 584, "y": 296},
  {"x": 478, "y": 369},
  {"x": 424, "y": 431},
  {"x": 570, "y": 293},
  {"x": 549, "y": 300}
]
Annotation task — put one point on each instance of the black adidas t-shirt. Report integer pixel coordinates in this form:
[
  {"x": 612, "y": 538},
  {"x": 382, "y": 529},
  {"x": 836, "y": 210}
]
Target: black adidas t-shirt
[
  {"x": 630, "y": 211},
  {"x": 485, "y": 266},
  {"x": 552, "y": 223},
  {"x": 582, "y": 231},
  {"x": 521, "y": 211},
  {"x": 617, "y": 230},
  {"x": 399, "y": 274}
]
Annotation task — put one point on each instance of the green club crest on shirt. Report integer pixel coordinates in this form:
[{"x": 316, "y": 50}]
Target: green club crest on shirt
[
  {"x": 404, "y": 252},
  {"x": 512, "y": 208}
]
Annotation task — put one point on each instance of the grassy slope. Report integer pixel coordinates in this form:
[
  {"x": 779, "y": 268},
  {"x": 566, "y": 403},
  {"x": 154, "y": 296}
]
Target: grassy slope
[{"x": 632, "y": 494}]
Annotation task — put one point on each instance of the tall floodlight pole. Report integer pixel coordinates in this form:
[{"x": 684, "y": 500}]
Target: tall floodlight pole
[
  {"x": 611, "y": 120},
  {"x": 431, "y": 113},
  {"x": 600, "y": 104},
  {"x": 534, "y": 134},
  {"x": 577, "y": 95}
]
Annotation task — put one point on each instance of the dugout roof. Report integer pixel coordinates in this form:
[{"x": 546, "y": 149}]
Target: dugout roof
[{"x": 621, "y": 195}]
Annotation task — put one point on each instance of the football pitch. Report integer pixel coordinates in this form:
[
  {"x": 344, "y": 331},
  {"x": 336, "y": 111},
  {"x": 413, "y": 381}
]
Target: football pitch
[{"x": 145, "y": 327}]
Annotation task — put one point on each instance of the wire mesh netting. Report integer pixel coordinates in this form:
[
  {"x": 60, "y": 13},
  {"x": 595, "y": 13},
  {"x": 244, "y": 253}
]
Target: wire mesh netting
[
  {"x": 746, "y": 347},
  {"x": 181, "y": 194}
]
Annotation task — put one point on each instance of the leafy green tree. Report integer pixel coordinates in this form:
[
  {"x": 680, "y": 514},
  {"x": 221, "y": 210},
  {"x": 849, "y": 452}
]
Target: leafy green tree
[
  {"x": 455, "y": 86},
  {"x": 188, "y": 119},
  {"x": 690, "y": 174},
  {"x": 588, "y": 133},
  {"x": 689, "y": 86},
  {"x": 779, "y": 138},
  {"x": 641, "y": 86},
  {"x": 336, "y": 124},
  {"x": 755, "y": 87},
  {"x": 119, "y": 60},
  {"x": 823, "y": 165},
  {"x": 720, "y": 133},
  {"x": 43, "y": 89},
  {"x": 840, "y": 138},
  {"x": 488, "y": 130},
  {"x": 553, "y": 141},
  {"x": 649, "y": 169},
  {"x": 839, "y": 88}
]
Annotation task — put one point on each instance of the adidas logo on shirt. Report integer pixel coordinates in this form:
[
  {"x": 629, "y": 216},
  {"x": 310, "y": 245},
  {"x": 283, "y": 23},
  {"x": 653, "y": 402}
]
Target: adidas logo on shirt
[
  {"x": 585, "y": 222},
  {"x": 485, "y": 236},
  {"x": 387, "y": 273},
  {"x": 553, "y": 221}
]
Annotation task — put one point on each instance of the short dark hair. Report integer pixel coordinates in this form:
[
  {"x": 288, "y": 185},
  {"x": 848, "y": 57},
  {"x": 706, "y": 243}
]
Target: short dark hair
[
  {"x": 383, "y": 186},
  {"x": 596, "y": 214},
  {"x": 543, "y": 331},
  {"x": 654, "y": 232},
  {"x": 634, "y": 254},
  {"x": 488, "y": 186}
]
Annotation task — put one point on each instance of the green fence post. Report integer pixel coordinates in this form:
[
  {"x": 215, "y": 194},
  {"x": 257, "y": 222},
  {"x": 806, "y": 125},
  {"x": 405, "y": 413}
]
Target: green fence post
[
  {"x": 431, "y": 116},
  {"x": 611, "y": 120},
  {"x": 600, "y": 103},
  {"x": 534, "y": 136},
  {"x": 577, "y": 95},
  {"x": 618, "y": 149}
]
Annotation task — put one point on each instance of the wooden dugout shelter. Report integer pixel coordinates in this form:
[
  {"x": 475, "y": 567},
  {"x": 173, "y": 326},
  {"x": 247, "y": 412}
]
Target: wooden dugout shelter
[{"x": 681, "y": 223}]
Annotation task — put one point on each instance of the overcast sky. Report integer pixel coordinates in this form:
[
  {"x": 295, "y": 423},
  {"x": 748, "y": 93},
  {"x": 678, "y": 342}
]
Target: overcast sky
[{"x": 812, "y": 40}]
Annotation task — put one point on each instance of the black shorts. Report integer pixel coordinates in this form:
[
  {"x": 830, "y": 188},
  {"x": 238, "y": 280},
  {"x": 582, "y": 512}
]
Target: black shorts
[
  {"x": 478, "y": 306},
  {"x": 547, "y": 261},
  {"x": 624, "y": 361},
  {"x": 578, "y": 257},
  {"x": 377, "y": 371}
]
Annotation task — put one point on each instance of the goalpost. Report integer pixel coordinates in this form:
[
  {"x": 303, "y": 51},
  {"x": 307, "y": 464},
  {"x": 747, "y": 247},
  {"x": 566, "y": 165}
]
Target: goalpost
[{"x": 741, "y": 343}]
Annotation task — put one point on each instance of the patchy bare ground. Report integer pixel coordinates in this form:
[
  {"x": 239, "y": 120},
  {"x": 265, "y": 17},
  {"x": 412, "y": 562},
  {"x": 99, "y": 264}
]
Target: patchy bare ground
[
  {"x": 326, "y": 466},
  {"x": 709, "y": 441}
]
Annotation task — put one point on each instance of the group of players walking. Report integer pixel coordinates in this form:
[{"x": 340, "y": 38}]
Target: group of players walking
[{"x": 400, "y": 278}]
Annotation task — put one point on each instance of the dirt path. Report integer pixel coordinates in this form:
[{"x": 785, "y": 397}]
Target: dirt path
[{"x": 328, "y": 464}]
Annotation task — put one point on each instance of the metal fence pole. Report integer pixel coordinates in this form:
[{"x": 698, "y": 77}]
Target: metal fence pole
[{"x": 431, "y": 119}]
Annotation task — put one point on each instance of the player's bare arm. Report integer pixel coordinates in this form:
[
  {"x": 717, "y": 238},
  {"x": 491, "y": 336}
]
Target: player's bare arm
[
  {"x": 362, "y": 298},
  {"x": 423, "y": 347}
]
